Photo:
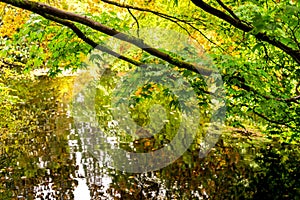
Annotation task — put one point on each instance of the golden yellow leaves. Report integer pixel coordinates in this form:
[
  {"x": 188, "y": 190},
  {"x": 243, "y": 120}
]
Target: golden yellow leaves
[
  {"x": 147, "y": 91},
  {"x": 236, "y": 87},
  {"x": 82, "y": 56},
  {"x": 12, "y": 19},
  {"x": 138, "y": 92}
]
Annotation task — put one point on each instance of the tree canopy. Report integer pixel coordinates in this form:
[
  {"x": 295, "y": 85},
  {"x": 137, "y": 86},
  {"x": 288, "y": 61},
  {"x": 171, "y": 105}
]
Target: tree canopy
[{"x": 254, "y": 44}]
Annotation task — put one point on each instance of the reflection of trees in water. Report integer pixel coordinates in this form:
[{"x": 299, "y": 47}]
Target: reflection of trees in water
[
  {"x": 36, "y": 162},
  {"x": 90, "y": 170},
  {"x": 229, "y": 171},
  {"x": 188, "y": 177},
  {"x": 234, "y": 169},
  {"x": 46, "y": 155},
  {"x": 215, "y": 176}
]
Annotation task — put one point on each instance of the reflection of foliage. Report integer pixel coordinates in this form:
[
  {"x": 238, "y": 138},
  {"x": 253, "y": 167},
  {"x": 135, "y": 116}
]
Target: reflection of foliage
[
  {"x": 162, "y": 122},
  {"x": 9, "y": 98},
  {"x": 34, "y": 148},
  {"x": 237, "y": 168},
  {"x": 139, "y": 104},
  {"x": 279, "y": 173}
]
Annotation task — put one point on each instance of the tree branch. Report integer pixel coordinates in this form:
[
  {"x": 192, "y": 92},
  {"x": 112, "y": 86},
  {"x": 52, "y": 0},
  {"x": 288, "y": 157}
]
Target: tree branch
[
  {"x": 163, "y": 15},
  {"x": 244, "y": 86},
  {"x": 43, "y": 9},
  {"x": 246, "y": 27},
  {"x": 291, "y": 99},
  {"x": 137, "y": 22},
  {"x": 228, "y": 10},
  {"x": 282, "y": 123},
  {"x": 213, "y": 11},
  {"x": 89, "y": 41},
  {"x": 141, "y": 9},
  {"x": 271, "y": 120}
]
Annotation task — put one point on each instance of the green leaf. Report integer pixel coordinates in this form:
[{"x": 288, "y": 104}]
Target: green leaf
[{"x": 257, "y": 46}]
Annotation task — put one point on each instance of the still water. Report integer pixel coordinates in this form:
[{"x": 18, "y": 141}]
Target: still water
[{"x": 44, "y": 156}]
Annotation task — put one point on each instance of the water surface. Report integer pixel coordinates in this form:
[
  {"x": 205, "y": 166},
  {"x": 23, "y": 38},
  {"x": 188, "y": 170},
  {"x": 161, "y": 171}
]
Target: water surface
[{"x": 44, "y": 156}]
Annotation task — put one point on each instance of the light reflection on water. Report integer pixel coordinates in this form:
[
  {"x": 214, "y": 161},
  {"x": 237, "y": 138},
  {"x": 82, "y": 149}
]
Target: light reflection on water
[
  {"x": 82, "y": 190},
  {"x": 86, "y": 174},
  {"x": 45, "y": 158}
]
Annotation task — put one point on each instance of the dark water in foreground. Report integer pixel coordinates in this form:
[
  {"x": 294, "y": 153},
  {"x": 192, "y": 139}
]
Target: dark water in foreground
[{"x": 43, "y": 156}]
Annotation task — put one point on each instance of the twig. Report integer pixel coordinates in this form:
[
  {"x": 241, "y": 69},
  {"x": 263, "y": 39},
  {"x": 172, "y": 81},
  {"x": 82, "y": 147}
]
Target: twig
[
  {"x": 162, "y": 15},
  {"x": 137, "y": 22},
  {"x": 228, "y": 10}
]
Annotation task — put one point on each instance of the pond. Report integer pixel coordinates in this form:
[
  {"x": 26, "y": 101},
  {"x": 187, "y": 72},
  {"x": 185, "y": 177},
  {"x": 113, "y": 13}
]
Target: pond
[{"x": 44, "y": 155}]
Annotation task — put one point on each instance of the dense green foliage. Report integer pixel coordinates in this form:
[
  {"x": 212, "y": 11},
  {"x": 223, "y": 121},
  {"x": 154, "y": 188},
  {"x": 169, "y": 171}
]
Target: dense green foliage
[
  {"x": 254, "y": 45},
  {"x": 255, "y": 72}
]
